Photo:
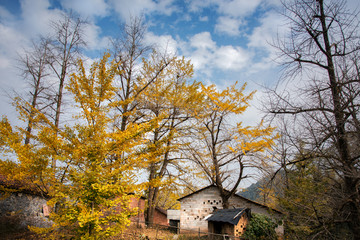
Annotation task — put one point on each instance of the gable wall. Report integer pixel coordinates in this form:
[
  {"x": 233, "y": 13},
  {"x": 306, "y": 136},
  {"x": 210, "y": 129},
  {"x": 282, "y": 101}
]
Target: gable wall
[
  {"x": 196, "y": 207},
  {"x": 239, "y": 229}
]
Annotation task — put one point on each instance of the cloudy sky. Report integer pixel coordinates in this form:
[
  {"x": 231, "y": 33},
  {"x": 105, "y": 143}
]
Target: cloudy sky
[{"x": 226, "y": 40}]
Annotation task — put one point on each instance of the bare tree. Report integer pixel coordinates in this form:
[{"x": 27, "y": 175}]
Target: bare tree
[
  {"x": 128, "y": 50},
  {"x": 324, "y": 44},
  {"x": 35, "y": 70},
  {"x": 65, "y": 48}
]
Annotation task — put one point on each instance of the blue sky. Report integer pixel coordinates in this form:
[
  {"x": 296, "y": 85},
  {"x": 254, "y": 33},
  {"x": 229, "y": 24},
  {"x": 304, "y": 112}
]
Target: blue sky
[{"x": 226, "y": 40}]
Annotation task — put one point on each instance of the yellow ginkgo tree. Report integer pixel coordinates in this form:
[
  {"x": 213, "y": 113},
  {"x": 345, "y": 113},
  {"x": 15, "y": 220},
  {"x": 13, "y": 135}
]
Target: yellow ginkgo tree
[
  {"x": 89, "y": 188},
  {"x": 220, "y": 146},
  {"x": 173, "y": 99}
]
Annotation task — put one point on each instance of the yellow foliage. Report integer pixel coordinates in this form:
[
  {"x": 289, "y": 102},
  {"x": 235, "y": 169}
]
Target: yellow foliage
[
  {"x": 89, "y": 186},
  {"x": 222, "y": 141}
]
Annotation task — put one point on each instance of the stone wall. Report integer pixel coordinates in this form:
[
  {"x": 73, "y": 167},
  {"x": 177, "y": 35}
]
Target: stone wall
[{"x": 20, "y": 210}]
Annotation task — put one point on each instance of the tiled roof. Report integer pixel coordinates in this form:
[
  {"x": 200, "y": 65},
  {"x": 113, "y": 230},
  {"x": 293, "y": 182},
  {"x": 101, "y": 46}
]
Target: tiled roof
[
  {"x": 231, "y": 216},
  {"x": 20, "y": 186}
]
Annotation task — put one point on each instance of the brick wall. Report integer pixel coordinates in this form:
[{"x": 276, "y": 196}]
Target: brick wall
[
  {"x": 139, "y": 203},
  {"x": 160, "y": 218}
]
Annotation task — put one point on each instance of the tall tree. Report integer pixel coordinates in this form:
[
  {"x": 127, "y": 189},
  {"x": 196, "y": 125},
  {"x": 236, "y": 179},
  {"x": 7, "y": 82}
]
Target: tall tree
[
  {"x": 324, "y": 44},
  {"x": 220, "y": 145},
  {"x": 140, "y": 83},
  {"x": 34, "y": 65},
  {"x": 128, "y": 51},
  {"x": 65, "y": 48},
  {"x": 172, "y": 99},
  {"x": 91, "y": 186}
]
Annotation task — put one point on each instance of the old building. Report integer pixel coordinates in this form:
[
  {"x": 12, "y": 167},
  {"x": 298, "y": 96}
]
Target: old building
[
  {"x": 21, "y": 205},
  {"x": 139, "y": 203},
  {"x": 160, "y": 216},
  {"x": 196, "y": 206},
  {"x": 231, "y": 222},
  {"x": 173, "y": 216}
]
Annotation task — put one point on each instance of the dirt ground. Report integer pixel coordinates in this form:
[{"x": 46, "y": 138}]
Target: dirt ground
[{"x": 132, "y": 233}]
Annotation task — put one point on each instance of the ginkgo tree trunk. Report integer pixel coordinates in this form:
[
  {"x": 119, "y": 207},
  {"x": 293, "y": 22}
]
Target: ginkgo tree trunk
[{"x": 220, "y": 146}]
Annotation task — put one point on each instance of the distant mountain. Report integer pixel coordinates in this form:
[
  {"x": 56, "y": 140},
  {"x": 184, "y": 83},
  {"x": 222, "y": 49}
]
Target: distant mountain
[{"x": 252, "y": 192}]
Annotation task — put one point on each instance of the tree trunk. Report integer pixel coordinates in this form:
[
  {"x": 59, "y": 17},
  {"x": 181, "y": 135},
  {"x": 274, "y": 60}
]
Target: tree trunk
[{"x": 350, "y": 206}]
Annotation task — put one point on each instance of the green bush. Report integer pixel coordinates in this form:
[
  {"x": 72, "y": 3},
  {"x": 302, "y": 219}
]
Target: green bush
[{"x": 260, "y": 227}]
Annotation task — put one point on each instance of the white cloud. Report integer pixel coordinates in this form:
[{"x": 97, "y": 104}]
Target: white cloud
[
  {"x": 238, "y": 8},
  {"x": 228, "y": 25},
  {"x": 198, "y": 5},
  {"x": 87, "y": 8},
  {"x": 92, "y": 37},
  {"x": 134, "y": 8},
  {"x": 207, "y": 56},
  {"x": 164, "y": 43},
  {"x": 272, "y": 24},
  {"x": 37, "y": 16},
  {"x": 5, "y": 15},
  {"x": 202, "y": 41},
  {"x": 10, "y": 44},
  {"x": 231, "y": 58},
  {"x": 203, "y": 18},
  {"x": 200, "y": 50}
]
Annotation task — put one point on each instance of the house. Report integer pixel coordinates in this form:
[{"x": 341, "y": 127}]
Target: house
[
  {"x": 195, "y": 207},
  {"x": 139, "y": 202},
  {"x": 231, "y": 222},
  {"x": 21, "y": 205}
]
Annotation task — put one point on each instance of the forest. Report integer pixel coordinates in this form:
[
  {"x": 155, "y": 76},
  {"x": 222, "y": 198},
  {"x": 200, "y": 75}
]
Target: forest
[{"x": 134, "y": 121}]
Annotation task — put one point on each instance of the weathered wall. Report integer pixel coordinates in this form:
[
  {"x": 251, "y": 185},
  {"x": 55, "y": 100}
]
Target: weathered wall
[
  {"x": 139, "y": 203},
  {"x": 240, "y": 228},
  {"x": 239, "y": 202},
  {"x": 173, "y": 214},
  {"x": 20, "y": 210},
  {"x": 197, "y": 206}
]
